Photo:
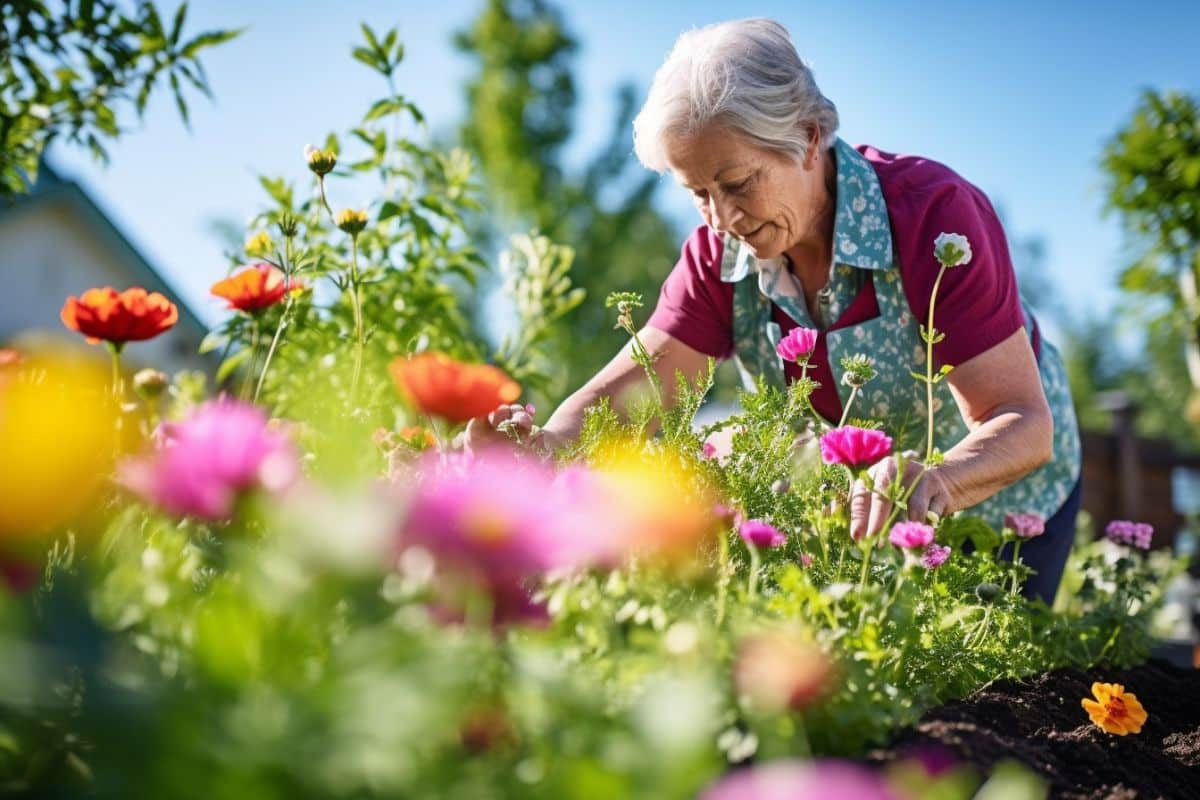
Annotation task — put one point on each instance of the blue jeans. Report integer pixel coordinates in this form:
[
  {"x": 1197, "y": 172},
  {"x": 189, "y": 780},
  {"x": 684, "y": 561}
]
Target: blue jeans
[{"x": 1047, "y": 554}]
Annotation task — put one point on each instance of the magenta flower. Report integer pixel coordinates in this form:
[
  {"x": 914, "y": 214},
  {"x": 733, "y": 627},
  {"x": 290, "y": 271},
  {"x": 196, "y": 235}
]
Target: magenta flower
[
  {"x": 201, "y": 466},
  {"x": 798, "y": 345},
  {"x": 854, "y": 447},
  {"x": 801, "y": 780},
  {"x": 1025, "y": 525},
  {"x": 935, "y": 555},
  {"x": 709, "y": 450},
  {"x": 1127, "y": 532},
  {"x": 761, "y": 534},
  {"x": 910, "y": 535}
]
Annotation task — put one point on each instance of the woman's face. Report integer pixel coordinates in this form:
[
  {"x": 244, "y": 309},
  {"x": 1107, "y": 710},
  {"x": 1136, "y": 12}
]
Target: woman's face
[{"x": 769, "y": 200}]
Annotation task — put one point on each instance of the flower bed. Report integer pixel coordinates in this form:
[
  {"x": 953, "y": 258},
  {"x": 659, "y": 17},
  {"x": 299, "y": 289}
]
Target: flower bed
[{"x": 1037, "y": 722}]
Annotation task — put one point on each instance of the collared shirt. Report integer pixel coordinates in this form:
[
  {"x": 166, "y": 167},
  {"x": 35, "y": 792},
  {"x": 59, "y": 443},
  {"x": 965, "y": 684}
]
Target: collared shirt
[{"x": 885, "y": 219}]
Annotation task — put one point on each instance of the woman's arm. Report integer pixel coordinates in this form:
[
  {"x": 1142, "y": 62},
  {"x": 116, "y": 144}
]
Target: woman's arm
[
  {"x": 999, "y": 393},
  {"x": 622, "y": 380}
]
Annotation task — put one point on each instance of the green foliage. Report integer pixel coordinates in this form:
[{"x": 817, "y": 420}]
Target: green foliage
[
  {"x": 68, "y": 69},
  {"x": 520, "y": 104}
]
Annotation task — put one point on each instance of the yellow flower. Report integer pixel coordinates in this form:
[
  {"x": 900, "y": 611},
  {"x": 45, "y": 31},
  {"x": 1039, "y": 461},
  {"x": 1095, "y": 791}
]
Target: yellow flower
[
  {"x": 320, "y": 161},
  {"x": 1114, "y": 710},
  {"x": 259, "y": 244},
  {"x": 351, "y": 221}
]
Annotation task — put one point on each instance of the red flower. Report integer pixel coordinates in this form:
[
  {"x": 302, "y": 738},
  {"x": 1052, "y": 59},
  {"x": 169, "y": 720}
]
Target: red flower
[
  {"x": 437, "y": 384},
  {"x": 118, "y": 317},
  {"x": 254, "y": 288}
]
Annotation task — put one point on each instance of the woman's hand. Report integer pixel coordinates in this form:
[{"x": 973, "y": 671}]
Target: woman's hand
[
  {"x": 870, "y": 505},
  {"x": 511, "y": 424}
]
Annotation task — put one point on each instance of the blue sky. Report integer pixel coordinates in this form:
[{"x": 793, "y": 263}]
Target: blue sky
[{"x": 1018, "y": 97}]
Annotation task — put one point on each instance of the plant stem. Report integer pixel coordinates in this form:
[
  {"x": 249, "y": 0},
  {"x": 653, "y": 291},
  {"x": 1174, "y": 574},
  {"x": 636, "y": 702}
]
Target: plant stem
[
  {"x": 929, "y": 336},
  {"x": 287, "y": 307},
  {"x": 245, "y": 388},
  {"x": 1015, "y": 561},
  {"x": 752, "y": 580},
  {"x": 114, "y": 350},
  {"x": 849, "y": 402},
  {"x": 356, "y": 306},
  {"x": 324, "y": 202},
  {"x": 804, "y": 746},
  {"x": 723, "y": 575}
]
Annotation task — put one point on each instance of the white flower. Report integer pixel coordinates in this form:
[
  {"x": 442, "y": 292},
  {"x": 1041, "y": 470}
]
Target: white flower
[
  {"x": 952, "y": 249},
  {"x": 309, "y": 151}
]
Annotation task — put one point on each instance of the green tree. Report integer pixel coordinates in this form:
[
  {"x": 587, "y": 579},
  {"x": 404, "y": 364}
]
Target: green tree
[
  {"x": 68, "y": 68},
  {"x": 1152, "y": 167},
  {"x": 520, "y": 105}
]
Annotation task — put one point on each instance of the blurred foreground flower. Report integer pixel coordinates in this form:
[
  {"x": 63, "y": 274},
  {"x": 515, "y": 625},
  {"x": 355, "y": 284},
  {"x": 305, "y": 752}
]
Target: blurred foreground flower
[
  {"x": 224, "y": 448},
  {"x": 1114, "y": 710},
  {"x": 1025, "y": 525},
  {"x": 854, "y": 447},
  {"x": 935, "y": 555},
  {"x": 119, "y": 317},
  {"x": 439, "y": 385},
  {"x": 58, "y": 441},
  {"x": 777, "y": 670},
  {"x": 801, "y": 780},
  {"x": 254, "y": 288}
]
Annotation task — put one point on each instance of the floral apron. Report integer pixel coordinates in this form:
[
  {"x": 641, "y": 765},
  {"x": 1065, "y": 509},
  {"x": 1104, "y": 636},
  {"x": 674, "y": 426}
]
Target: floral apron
[{"x": 892, "y": 339}]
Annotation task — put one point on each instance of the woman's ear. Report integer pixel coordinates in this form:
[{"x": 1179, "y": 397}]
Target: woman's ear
[{"x": 813, "y": 154}]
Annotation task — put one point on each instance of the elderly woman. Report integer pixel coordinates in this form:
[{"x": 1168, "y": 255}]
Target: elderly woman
[{"x": 801, "y": 229}]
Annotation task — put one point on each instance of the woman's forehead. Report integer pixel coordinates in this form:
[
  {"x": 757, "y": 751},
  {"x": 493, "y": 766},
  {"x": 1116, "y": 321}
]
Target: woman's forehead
[{"x": 711, "y": 154}]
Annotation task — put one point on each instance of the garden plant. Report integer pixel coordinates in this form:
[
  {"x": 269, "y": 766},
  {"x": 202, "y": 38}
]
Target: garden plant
[{"x": 296, "y": 582}]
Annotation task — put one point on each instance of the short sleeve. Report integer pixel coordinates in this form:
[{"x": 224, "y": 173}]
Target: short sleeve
[
  {"x": 695, "y": 306},
  {"x": 978, "y": 304}
]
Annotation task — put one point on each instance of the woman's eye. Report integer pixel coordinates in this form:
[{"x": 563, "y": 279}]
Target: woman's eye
[{"x": 738, "y": 188}]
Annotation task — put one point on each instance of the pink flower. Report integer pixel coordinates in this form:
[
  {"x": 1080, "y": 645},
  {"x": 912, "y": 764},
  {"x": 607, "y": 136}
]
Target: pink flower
[
  {"x": 910, "y": 535},
  {"x": 761, "y": 534},
  {"x": 805, "y": 560},
  {"x": 798, "y": 345},
  {"x": 709, "y": 450},
  {"x": 202, "y": 464},
  {"x": 727, "y": 514},
  {"x": 1127, "y": 532},
  {"x": 1025, "y": 525},
  {"x": 854, "y": 447},
  {"x": 801, "y": 780},
  {"x": 934, "y": 556}
]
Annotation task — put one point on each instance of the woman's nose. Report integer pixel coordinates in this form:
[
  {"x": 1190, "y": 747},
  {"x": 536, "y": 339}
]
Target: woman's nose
[{"x": 723, "y": 213}]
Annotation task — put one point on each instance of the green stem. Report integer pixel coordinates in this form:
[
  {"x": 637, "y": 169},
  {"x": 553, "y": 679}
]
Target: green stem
[
  {"x": 723, "y": 575},
  {"x": 1015, "y": 560},
  {"x": 752, "y": 580},
  {"x": 287, "y": 307},
  {"x": 244, "y": 391},
  {"x": 114, "y": 350},
  {"x": 324, "y": 202},
  {"x": 356, "y": 307},
  {"x": 849, "y": 402},
  {"x": 929, "y": 336}
]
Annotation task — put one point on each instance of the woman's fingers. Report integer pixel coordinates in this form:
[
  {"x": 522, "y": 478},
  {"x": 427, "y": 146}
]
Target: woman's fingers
[{"x": 860, "y": 509}]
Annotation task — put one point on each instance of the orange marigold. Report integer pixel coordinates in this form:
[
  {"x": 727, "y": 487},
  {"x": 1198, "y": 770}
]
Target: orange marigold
[
  {"x": 254, "y": 288},
  {"x": 118, "y": 317},
  {"x": 1114, "y": 710},
  {"x": 437, "y": 384}
]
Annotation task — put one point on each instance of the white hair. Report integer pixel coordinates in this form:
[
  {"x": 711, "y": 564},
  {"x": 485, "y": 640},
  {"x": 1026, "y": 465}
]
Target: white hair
[{"x": 745, "y": 75}]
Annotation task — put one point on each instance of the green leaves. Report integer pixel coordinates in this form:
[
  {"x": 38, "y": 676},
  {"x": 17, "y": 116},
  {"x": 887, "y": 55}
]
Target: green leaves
[
  {"x": 383, "y": 57},
  {"x": 85, "y": 63}
]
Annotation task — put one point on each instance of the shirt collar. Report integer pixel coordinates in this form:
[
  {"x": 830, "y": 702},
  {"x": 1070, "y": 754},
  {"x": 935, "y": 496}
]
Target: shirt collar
[{"x": 862, "y": 234}]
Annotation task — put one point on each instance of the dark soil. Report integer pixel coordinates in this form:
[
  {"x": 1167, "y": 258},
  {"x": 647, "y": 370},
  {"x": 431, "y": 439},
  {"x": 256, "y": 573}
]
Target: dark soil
[{"x": 1039, "y": 721}]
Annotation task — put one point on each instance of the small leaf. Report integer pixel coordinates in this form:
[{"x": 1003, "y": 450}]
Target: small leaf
[
  {"x": 231, "y": 363},
  {"x": 213, "y": 341}
]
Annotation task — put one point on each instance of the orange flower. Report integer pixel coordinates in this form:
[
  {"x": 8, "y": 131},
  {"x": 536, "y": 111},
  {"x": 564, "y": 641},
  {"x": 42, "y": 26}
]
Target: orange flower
[
  {"x": 437, "y": 384},
  {"x": 118, "y": 317},
  {"x": 9, "y": 357},
  {"x": 1114, "y": 710},
  {"x": 777, "y": 670},
  {"x": 254, "y": 288}
]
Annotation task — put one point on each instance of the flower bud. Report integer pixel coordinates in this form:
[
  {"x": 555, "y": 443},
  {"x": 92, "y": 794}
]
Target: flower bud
[
  {"x": 952, "y": 249},
  {"x": 150, "y": 383},
  {"x": 351, "y": 221},
  {"x": 987, "y": 592},
  {"x": 320, "y": 161},
  {"x": 857, "y": 370},
  {"x": 259, "y": 244}
]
